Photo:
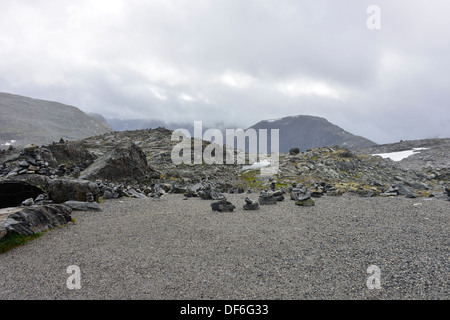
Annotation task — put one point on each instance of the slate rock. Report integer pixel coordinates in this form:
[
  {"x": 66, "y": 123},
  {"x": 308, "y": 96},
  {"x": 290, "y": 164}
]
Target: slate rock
[
  {"x": 62, "y": 190},
  {"x": 29, "y": 220},
  {"x": 222, "y": 206},
  {"x": 82, "y": 206},
  {"x": 134, "y": 194},
  {"x": 28, "y": 202},
  {"x": 265, "y": 198},
  {"x": 250, "y": 205},
  {"x": 126, "y": 161}
]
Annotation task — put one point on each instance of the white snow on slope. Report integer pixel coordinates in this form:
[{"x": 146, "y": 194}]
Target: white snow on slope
[
  {"x": 9, "y": 143},
  {"x": 257, "y": 165},
  {"x": 400, "y": 155}
]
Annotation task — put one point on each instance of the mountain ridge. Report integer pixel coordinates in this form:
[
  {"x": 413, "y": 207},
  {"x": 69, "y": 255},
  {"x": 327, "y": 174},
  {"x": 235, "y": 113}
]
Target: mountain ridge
[
  {"x": 308, "y": 132},
  {"x": 27, "y": 120}
]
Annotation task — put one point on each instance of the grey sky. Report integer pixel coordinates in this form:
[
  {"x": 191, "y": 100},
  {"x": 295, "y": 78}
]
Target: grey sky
[{"x": 236, "y": 61}]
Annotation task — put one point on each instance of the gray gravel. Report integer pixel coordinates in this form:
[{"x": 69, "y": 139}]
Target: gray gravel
[{"x": 181, "y": 249}]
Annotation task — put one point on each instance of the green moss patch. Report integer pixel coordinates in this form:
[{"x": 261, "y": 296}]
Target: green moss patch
[{"x": 16, "y": 240}]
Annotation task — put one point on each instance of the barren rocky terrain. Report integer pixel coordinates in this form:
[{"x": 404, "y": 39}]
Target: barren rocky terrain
[{"x": 140, "y": 227}]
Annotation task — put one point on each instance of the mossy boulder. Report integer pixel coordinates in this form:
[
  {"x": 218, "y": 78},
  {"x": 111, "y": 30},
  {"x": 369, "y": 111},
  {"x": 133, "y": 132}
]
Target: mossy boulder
[{"x": 306, "y": 203}]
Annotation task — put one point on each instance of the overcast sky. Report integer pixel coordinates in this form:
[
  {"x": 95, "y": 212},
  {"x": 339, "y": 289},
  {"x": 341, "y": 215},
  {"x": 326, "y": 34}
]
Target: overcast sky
[{"x": 237, "y": 61}]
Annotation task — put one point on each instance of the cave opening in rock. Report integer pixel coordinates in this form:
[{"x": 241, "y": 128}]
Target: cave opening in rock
[{"x": 13, "y": 193}]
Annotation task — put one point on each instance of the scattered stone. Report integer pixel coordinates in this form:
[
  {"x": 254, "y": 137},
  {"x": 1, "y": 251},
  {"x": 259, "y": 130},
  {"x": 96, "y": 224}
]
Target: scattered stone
[
  {"x": 411, "y": 196},
  {"x": 277, "y": 193},
  {"x": 43, "y": 199},
  {"x": 265, "y": 198},
  {"x": 272, "y": 186},
  {"x": 294, "y": 151},
  {"x": 306, "y": 203},
  {"x": 217, "y": 196},
  {"x": 29, "y": 148},
  {"x": 89, "y": 197},
  {"x": 33, "y": 168},
  {"x": 388, "y": 194},
  {"x": 250, "y": 204},
  {"x": 107, "y": 195},
  {"x": 82, "y": 206},
  {"x": 316, "y": 193},
  {"x": 28, "y": 202},
  {"x": 207, "y": 192},
  {"x": 135, "y": 194},
  {"x": 222, "y": 206},
  {"x": 370, "y": 194},
  {"x": 300, "y": 195}
]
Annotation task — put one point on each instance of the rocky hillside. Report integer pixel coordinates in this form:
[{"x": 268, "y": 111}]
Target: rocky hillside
[
  {"x": 141, "y": 160},
  {"x": 25, "y": 120},
  {"x": 426, "y": 154},
  {"x": 307, "y": 132},
  {"x": 339, "y": 170}
]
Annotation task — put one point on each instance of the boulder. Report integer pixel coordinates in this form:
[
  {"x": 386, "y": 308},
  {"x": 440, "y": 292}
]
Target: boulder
[
  {"x": 222, "y": 206},
  {"x": 135, "y": 194},
  {"x": 125, "y": 162},
  {"x": 265, "y": 198},
  {"x": 29, "y": 220},
  {"x": 294, "y": 151},
  {"x": 62, "y": 190},
  {"x": 29, "y": 148},
  {"x": 216, "y": 195},
  {"x": 300, "y": 196},
  {"x": 250, "y": 205}
]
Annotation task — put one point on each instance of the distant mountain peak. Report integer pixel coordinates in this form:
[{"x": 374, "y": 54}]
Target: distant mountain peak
[{"x": 308, "y": 132}]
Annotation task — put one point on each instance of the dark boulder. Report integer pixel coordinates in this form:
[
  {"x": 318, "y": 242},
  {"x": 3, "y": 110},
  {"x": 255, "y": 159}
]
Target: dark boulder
[
  {"x": 222, "y": 206},
  {"x": 29, "y": 220},
  {"x": 125, "y": 162},
  {"x": 294, "y": 151},
  {"x": 250, "y": 205},
  {"x": 62, "y": 190},
  {"x": 265, "y": 198}
]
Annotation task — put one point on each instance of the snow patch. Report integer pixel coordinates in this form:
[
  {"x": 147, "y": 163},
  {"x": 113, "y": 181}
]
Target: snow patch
[
  {"x": 257, "y": 165},
  {"x": 400, "y": 155},
  {"x": 9, "y": 143}
]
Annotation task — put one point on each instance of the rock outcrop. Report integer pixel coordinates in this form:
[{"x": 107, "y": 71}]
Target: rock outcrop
[
  {"x": 124, "y": 162},
  {"x": 29, "y": 220}
]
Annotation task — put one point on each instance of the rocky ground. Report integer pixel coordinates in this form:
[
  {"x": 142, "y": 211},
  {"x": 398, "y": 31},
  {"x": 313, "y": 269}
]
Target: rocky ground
[{"x": 347, "y": 209}]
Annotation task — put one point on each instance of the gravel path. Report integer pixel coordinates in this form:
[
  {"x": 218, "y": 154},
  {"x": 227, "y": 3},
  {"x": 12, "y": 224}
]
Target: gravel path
[{"x": 181, "y": 249}]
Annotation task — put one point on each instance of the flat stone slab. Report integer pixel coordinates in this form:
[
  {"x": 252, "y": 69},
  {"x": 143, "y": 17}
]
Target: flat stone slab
[{"x": 29, "y": 220}]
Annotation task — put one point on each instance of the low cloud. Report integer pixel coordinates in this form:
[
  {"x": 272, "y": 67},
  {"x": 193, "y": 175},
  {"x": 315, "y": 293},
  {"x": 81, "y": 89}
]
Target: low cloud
[{"x": 236, "y": 62}]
